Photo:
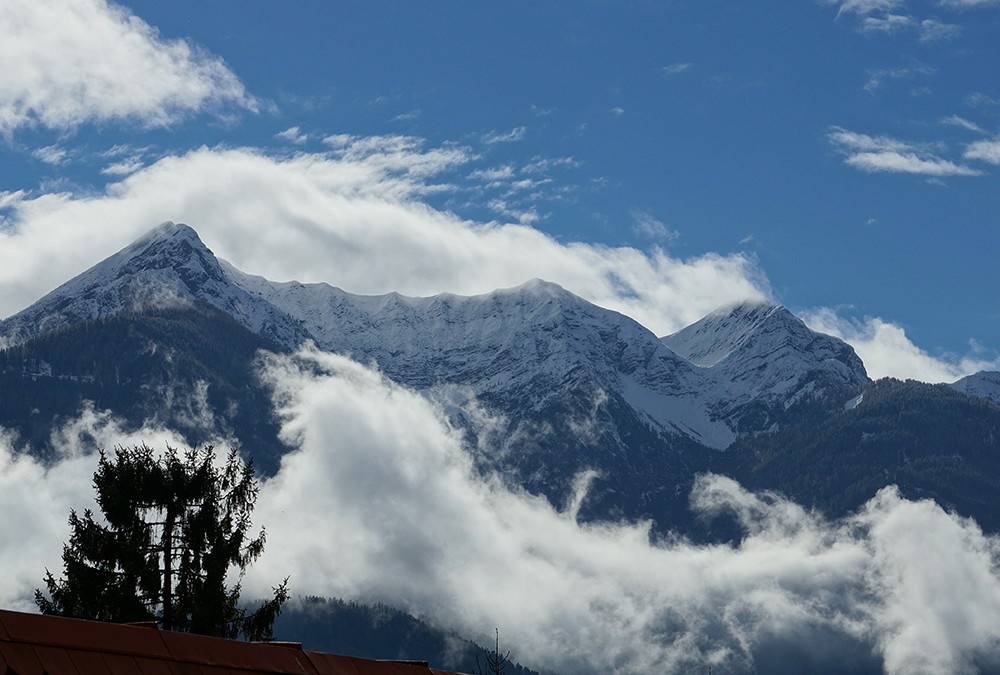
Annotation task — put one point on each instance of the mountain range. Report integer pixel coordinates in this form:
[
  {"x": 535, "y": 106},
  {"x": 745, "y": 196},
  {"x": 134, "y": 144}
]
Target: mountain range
[{"x": 164, "y": 331}]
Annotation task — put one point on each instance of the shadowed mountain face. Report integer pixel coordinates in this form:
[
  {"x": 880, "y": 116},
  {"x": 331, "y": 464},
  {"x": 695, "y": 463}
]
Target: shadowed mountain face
[{"x": 165, "y": 331}]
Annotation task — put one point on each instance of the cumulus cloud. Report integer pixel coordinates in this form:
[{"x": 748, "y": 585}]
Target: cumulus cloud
[
  {"x": 380, "y": 503},
  {"x": 355, "y": 217},
  {"x": 883, "y": 154},
  {"x": 886, "y": 350},
  {"x": 69, "y": 62}
]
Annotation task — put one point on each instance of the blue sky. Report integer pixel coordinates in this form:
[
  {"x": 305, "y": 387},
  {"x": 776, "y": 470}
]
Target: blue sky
[{"x": 839, "y": 157}]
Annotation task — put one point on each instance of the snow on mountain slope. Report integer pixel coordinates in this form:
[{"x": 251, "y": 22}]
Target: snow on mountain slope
[
  {"x": 761, "y": 353},
  {"x": 984, "y": 384},
  {"x": 536, "y": 337},
  {"x": 169, "y": 266},
  {"x": 525, "y": 348}
]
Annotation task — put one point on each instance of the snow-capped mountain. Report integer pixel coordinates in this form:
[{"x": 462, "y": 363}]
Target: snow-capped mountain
[
  {"x": 535, "y": 338},
  {"x": 984, "y": 384},
  {"x": 765, "y": 360},
  {"x": 164, "y": 331},
  {"x": 168, "y": 267}
]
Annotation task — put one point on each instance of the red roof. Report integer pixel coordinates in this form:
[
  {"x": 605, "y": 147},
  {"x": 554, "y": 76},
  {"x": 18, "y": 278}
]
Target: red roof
[{"x": 32, "y": 644}]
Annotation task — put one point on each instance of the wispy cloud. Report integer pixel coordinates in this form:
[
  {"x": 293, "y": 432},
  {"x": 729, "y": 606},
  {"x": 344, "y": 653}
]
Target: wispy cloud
[
  {"x": 968, "y": 4},
  {"x": 124, "y": 167},
  {"x": 512, "y": 136},
  {"x": 407, "y": 116},
  {"x": 883, "y": 154},
  {"x": 956, "y": 121},
  {"x": 984, "y": 151},
  {"x": 677, "y": 68},
  {"x": 936, "y": 31},
  {"x": 889, "y": 23},
  {"x": 293, "y": 135},
  {"x": 69, "y": 62},
  {"x": 52, "y": 154},
  {"x": 876, "y": 78},
  {"x": 865, "y": 7},
  {"x": 646, "y": 225}
]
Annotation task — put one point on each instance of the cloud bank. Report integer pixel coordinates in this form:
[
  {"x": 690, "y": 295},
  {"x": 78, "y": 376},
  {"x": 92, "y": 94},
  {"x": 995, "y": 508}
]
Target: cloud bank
[
  {"x": 886, "y": 350},
  {"x": 380, "y": 503},
  {"x": 70, "y": 62},
  {"x": 355, "y": 216}
]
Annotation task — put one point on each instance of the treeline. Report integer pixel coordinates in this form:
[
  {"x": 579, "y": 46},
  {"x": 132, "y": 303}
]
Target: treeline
[
  {"x": 145, "y": 366},
  {"x": 930, "y": 440}
]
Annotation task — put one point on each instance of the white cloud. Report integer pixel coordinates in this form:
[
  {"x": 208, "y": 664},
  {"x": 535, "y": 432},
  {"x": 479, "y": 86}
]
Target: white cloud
[
  {"x": 36, "y": 497},
  {"x": 865, "y": 7},
  {"x": 936, "y": 31},
  {"x": 51, "y": 154},
  {"x": 964, "y": 4},
  {"x": 380, "y": 503},
  {"x": 293, "y": 135},
  {"x": 877, "y": 77},
  {"x": 956, "y": 121},
  {"x": 886, "y": 350},
  {"x": 124, "y": 167},
  {"x": 646, "y": 225},
  {"x": 890, "y": 23},
  {"x": 985, "y": 151},
  {"x": 677, "y": 68},
  {"x": 512, "y": 136},
  {"x": 890, "y": 155},
  {"x": 353, "y": 217},
  {"x": 69, "y": 62}
]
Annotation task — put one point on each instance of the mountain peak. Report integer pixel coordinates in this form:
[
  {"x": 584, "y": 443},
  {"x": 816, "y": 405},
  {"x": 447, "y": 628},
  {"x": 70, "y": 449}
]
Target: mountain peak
[
  {"x": 710, "y": 340},
  {"x": 167, "y": 265}
]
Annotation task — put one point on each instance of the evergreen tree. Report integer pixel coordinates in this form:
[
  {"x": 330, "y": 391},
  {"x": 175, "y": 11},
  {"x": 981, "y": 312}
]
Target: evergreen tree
[{"x": 173, "y": 526}]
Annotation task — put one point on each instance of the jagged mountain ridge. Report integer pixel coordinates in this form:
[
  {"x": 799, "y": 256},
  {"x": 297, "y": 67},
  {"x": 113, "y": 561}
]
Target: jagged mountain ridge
[
  {"x": 536, "y": 336},
  {"x": 571, "y": 386}
]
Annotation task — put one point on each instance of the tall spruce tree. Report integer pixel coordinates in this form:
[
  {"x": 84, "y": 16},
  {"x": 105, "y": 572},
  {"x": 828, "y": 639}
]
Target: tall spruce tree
[{"x": 173, "y": 527}]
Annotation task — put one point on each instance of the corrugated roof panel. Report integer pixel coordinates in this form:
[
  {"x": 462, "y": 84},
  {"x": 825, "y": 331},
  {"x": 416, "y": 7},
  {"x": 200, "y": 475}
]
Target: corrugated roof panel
[
  {"x": 105, "y": 637},
  {"x": 334, "y": 664},
  {"x": 89, "y": 663},
  {"x": 331, "y": 664},
  {"x": 152, "y": 666},
  {"x": 55, "y": 661},
  {"x": 22, "y": 659},
  {"x": 120, "y": 664},
  {"x": 178, "y": 668},
  {"x": 236, "y": 655}
]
